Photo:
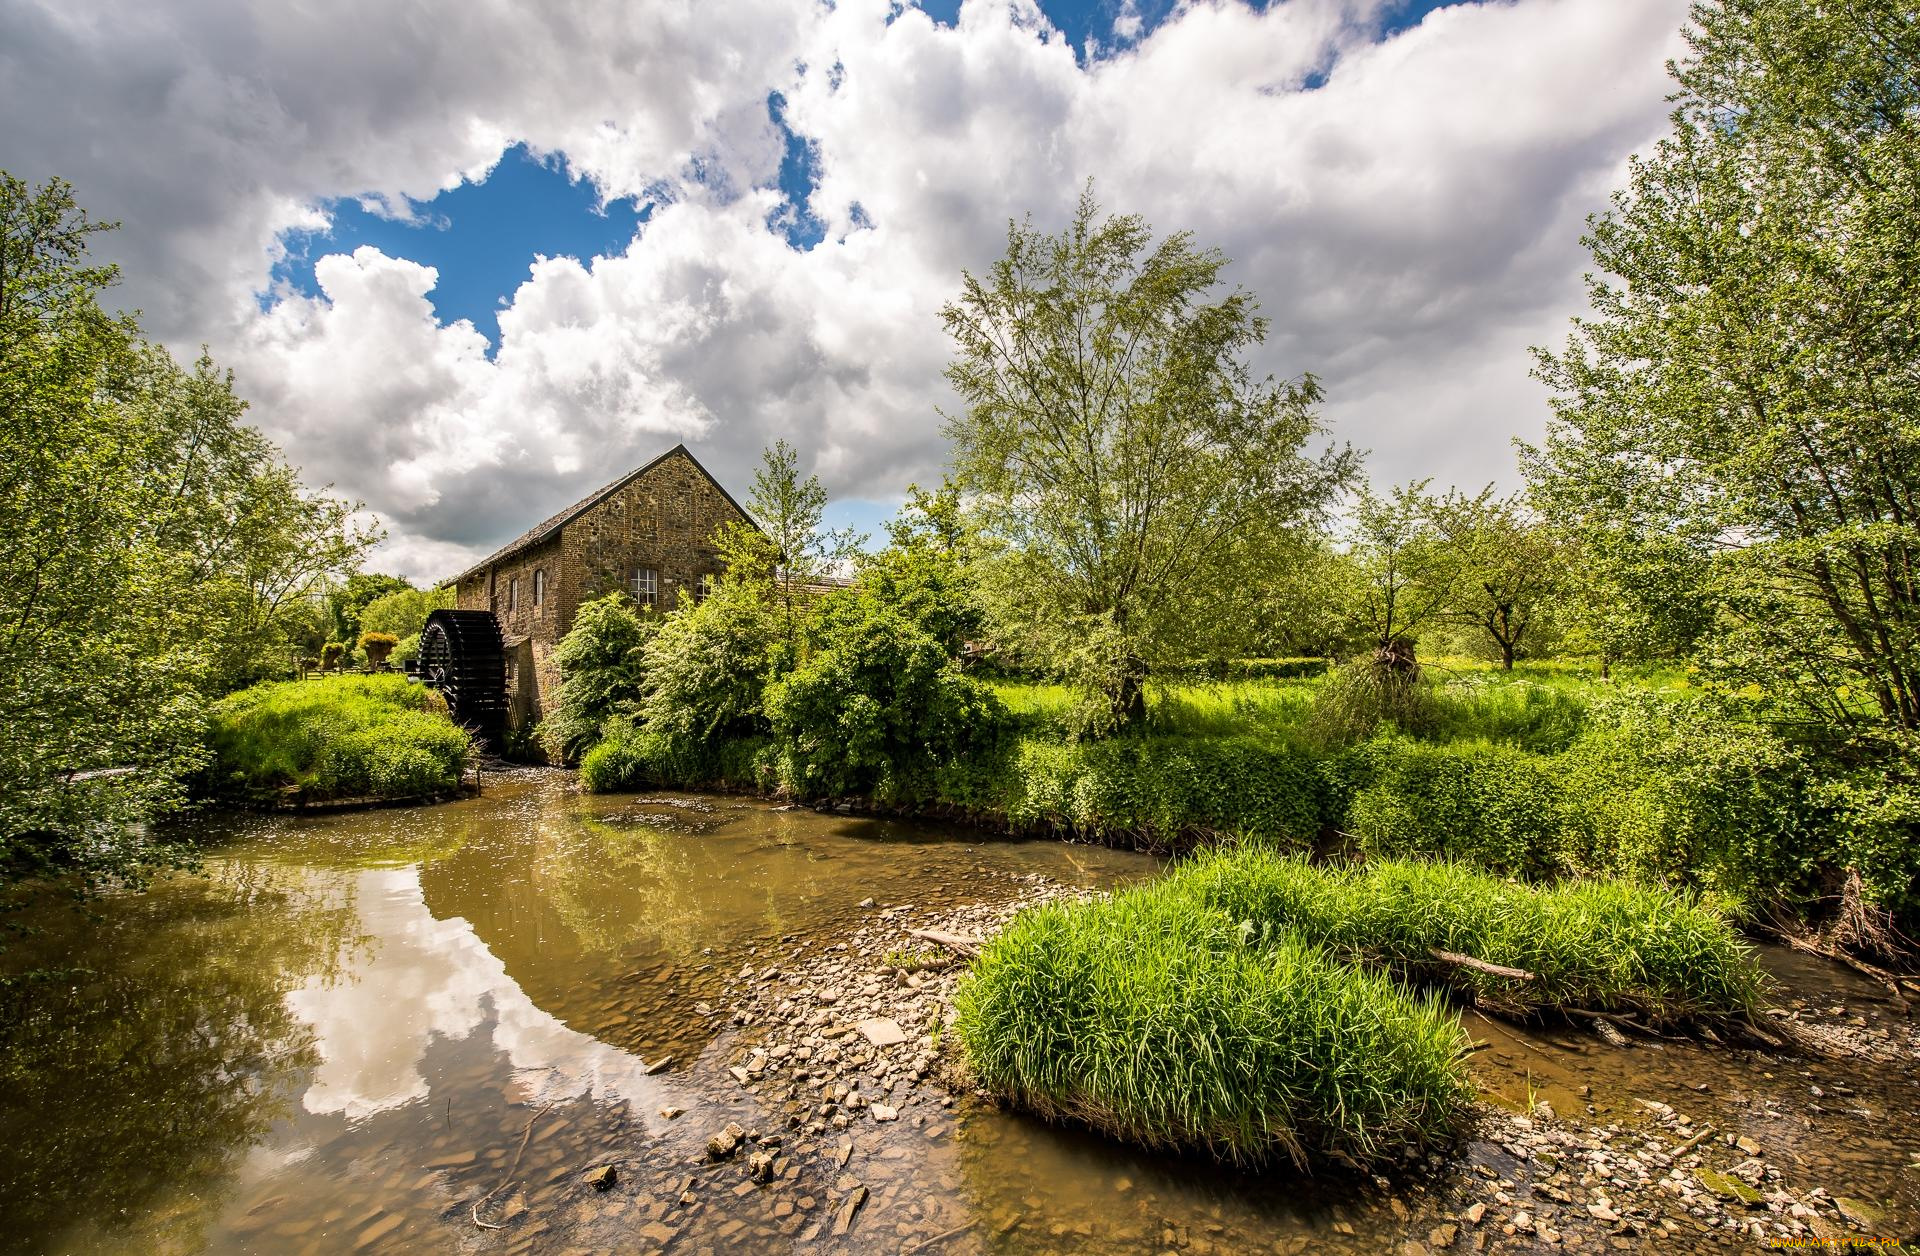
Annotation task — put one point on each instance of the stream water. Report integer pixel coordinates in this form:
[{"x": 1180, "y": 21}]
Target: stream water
[{"x": 352, "y": 1026}]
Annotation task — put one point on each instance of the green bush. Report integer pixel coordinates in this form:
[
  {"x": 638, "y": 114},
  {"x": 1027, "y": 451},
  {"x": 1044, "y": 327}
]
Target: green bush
[
  {"x": 601, "y": 667},
  {"x": 629, "y": 758},
  {"x": 1493, "y": 806},
  {"x": 707, "y": 667},
  {"x": 336, "y": 737},
  {"x": 877, "y": 707},
  {"x": 1602, "y": 946},
  {"x": 1154, "y": 1020}
]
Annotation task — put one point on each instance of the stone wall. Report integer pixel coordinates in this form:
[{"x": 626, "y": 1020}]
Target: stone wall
[{"x": 663, "y": 521}]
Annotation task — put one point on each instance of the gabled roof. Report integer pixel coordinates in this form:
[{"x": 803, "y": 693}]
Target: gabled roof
[{"x": 547, "y": 529}]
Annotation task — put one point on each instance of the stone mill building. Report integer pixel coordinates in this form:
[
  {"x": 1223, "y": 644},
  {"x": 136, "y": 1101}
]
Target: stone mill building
[{"x": 650, "y": 533}]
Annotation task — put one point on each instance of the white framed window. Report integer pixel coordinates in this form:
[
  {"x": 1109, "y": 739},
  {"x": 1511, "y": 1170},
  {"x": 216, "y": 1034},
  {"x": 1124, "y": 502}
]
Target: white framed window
[
  {"x": 646, "y": 586},
  {"x": 513, "y": 594},
  {"x": 539, "y": 587},
  {"x": 703, "y": 588}
]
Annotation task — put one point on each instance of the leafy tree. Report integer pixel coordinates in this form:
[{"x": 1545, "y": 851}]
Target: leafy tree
[
  {"x": 1506, "y": 566},
  {"x": 1116, "y": 444},
  {"x": 707, "y": 666},
  {"x": 349, "y": 599},
  {"x": 1748, "y": 376},
  {"x": 404, "y": 613},
  {"x": 790, "y": 549},
  {"x": 101, "y": 724},
  {"x": 1401, "y": 579},
  {"x": 927, "y": 572}
]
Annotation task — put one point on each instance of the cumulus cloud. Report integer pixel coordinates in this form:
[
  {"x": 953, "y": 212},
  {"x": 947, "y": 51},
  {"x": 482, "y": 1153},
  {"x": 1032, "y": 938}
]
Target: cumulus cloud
[{"x": 1407, "y": 209}]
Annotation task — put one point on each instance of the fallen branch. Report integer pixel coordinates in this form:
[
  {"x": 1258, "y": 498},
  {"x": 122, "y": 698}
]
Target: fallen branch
[
  {"x": 1482, "y": 966},
  {"x": 958, "y": 943},
  {"x": 941, "y": 1237},
  {"x": 512, "y": 1169},
  {"x": 1690, "y": 1144}
]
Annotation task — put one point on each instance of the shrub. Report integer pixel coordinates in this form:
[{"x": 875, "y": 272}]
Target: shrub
[
  {"x": 1604, "y": 946},
  {"x": 346, "y": 736},
  {"x": 1356, "y": 701},
  {"x": 377, "y": 645},
  {"x": 1493, "y": 806},
  {"x": 628, "y": 758},
  {"x": 1152, "y": 1019},
  {"x": 707, "y": 666},
  {"x": 601, "y": 666},
  {"x": 877, "y": 706},
  {"x": 1671, "y": 787}
]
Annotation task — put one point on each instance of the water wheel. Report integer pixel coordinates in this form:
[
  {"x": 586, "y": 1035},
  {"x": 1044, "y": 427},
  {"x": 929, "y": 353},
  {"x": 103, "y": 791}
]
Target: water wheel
[{"x": 462, "y": 655}]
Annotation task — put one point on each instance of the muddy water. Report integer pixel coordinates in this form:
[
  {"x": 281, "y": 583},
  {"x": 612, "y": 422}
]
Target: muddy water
[{"x": 415, "y": 1030}]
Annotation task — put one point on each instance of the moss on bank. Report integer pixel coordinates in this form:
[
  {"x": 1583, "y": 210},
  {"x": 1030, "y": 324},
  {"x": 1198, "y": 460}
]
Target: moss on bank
[{"x": 335, "y": 737}]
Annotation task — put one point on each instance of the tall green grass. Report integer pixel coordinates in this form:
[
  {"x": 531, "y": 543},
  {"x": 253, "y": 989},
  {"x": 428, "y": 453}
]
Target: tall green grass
[
  {"x": 336, "y": 737},
  {"x": 1601, "y": 946},
  {"x": 1152, "y": 1018}
]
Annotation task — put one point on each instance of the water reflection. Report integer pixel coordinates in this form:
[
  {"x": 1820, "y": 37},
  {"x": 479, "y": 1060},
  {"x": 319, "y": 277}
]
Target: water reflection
[
  {"x": 134, "y": 1089},
  {"x": 436, "y": 978}
]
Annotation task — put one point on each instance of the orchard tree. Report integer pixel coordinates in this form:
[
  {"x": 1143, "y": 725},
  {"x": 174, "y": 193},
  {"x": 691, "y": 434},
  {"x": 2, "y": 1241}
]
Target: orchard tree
[
  {"x": 1747, "y": 381},
  {"x": 791, "y": 547},
  {"x": 1506, "y": 566},
  {"x": 1118, "y": 448},
  {"x": 1401, "y": 577}
]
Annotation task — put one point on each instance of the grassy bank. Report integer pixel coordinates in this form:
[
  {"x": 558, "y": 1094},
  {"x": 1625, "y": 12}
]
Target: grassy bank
[
  {"x": 1152, "y": 1019},
  {"x": 1542, "y": 774},
  {"x": 1596, "y": 945},
  {"x": 335, "y": 737}
]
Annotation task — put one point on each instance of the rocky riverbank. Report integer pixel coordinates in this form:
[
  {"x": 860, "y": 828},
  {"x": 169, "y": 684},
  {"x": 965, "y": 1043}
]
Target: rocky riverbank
[{"x": 841, "y": 1044}]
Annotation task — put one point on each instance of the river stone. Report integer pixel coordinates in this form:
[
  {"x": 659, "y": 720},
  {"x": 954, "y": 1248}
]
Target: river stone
[
  {"x": 1443, "y": 1235},
  {"x": 760, "y": 1166},
  {"x": 843, "y": 1216},
  {"x": 882, "y": 1031},
  {"x": 603, "y": 1177},
  {"x": 723, "y": 1144},
  {"x": 1730, "y": 1188}
]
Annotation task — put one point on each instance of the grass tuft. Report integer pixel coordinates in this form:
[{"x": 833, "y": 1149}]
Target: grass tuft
[
  {"x": 1600, "y": 946},
  {"x": 1160, "y": 1021}
]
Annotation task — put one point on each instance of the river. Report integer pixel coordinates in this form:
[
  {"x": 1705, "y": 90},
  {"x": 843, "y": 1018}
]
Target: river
[{"x": 418, "y": 1029}]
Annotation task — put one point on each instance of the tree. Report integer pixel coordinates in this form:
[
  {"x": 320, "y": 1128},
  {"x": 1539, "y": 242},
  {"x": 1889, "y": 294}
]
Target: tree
[
  {"x": 376, "y": 646},
  {"x": 100, "y": 724},
  {"x": 927, "y": 572},
  {"x": 404, "y": 613},
  {"x": 789, "y": 549},
  {"x": 348, "y": 600},
  {"x": 1746, "y": 382},
  {"x": 1116, "y": 445},
  {"x": 1506, "y": 566},
  {"x": 1400, "y": 580},
  {"x": 601, "y": 668}
]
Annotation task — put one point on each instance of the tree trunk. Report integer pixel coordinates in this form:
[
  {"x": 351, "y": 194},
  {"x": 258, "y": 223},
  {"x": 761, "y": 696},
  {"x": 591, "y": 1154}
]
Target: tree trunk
[
  {"x": 1506, "y": 655},
  {"x": 1130, "y": 695}
]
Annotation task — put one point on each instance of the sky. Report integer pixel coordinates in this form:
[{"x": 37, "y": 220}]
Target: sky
[{"x": 470, "y": 259}]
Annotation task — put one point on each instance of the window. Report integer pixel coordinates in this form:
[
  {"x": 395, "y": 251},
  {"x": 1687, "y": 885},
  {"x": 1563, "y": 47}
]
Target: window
[
  {"x": 513, "y": 594},
  {"x": 703, "y": 589},
  {"x": 539, "y": 587},
  {"x": 646, "y": 587}
]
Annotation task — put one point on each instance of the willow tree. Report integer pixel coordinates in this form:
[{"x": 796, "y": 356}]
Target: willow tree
[
  {"x": 1749, "y": 377},
  {"x": 1115, "y": 442}
]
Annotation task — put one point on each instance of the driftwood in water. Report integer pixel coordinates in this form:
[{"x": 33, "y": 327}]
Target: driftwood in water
[
  {"x": 1482, "y": 966},
  {"x": 958, "y": 943}
]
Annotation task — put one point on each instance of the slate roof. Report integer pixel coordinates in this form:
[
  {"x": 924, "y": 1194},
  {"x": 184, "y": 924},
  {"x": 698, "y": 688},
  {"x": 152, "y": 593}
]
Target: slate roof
[{"x": 547, "y": 529}]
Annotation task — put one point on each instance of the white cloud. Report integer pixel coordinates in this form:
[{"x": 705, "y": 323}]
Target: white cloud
[{"x": 1410, "y": 225}]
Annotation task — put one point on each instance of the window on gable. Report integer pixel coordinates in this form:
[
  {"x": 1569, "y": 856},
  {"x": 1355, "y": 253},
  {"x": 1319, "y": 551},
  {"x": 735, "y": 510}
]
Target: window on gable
[
  {"x": 646, "y": 586},
  {"x": 703, "y": 589},
  {"x": 539, "y": 587}
]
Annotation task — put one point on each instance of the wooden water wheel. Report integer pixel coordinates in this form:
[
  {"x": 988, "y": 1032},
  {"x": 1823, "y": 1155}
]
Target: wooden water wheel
[{"x": 463, "y": 656}]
